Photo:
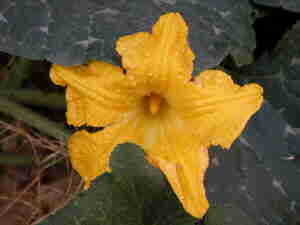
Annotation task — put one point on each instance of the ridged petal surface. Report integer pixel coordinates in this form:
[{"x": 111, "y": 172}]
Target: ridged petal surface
[
  {"x": 90, "y": 152},
  {"x": 187, "y": 178},
  {"x": 160, "y": 55},
  {"x": 97, "y": 94},
  {"x": 163, "y": 135},
  {"x": 216, "y": 108}
]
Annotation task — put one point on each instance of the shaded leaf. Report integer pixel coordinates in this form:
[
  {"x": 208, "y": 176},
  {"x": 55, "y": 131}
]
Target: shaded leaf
[
  {"x": 71, "y": 32},
  {"x": 227, "y": 215},
  {"x": 291, "y": 5},
  {"x": 254, "y": 175},
  {"x": 279, "y": 74},
  {"x": 129, "y": 196}
]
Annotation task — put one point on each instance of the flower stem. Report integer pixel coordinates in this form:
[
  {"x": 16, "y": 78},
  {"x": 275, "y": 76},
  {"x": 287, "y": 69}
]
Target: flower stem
[
  {"x": 33, "y": 119},
  {"x": 36, "y": 98}
]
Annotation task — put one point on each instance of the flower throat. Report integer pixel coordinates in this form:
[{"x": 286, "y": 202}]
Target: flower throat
[{"x": 154, "y": 102}]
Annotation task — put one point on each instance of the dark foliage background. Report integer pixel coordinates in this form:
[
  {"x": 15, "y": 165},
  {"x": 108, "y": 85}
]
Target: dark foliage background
[{"x": 256, "y": 182}]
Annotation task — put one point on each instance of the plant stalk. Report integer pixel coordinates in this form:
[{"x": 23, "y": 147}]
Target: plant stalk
[
  {"x": 33, "y": 119},
  {"x": 36, "y": 97}
]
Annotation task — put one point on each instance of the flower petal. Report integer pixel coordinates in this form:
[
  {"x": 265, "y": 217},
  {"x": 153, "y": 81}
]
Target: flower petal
[
  {"x": 161, "y": 55},
  {"x": 90, "y": 152},
  {"x": 160, "y": 135},
  {"x": 216, "y": 108},
  {"x": 97, "y": 93},
  {"x": 87, "y": 157},
  {"x": 186, "y": 179}
]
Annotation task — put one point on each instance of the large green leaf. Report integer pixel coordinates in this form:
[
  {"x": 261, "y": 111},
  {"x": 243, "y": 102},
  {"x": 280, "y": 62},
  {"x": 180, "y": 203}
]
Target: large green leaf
[
  {"x": 256, "y": 175},
  {"x": 228, "y": 214},
  {"x": 73, "y": 31},
  {"x": 291, "y": 5},
  {"x": 279, "y": 74},
  {"x": 134, "y": 194}
]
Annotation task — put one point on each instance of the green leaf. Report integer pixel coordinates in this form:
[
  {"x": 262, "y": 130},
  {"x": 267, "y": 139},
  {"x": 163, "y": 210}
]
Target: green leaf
[
  {"x": 19, "y": 72},
  {"x": 71, "y": 32},
  {"x": 279, "y": 74},
  {"x": 291, "y": 5},
  {"x": 134, "y": 194},
  {"x": 228, "y": 214},
  {"x": 256, "y": 175}
]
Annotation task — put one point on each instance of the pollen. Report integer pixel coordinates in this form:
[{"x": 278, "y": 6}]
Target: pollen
[{"x": 154, "y": 103}]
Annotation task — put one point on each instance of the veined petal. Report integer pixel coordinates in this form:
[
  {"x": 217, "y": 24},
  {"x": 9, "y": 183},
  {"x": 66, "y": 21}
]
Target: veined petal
[
  {"x": 216, "y": 108},
  {"x": 90, "y": 152},
  {"x": 161, "y": 55},
  {"x": 161, "y": 135},
  {"x": 186, "y": 178},
  {"x": 97, "y": 93},
  {"x": 88, "y": 157}
]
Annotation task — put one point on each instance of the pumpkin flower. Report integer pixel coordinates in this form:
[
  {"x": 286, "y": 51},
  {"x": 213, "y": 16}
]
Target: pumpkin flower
[{"x": 154, "y": 102}]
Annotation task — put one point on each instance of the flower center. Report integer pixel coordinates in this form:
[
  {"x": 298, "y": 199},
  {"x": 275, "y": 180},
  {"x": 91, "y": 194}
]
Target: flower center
[{"x": 154, "y": 103}]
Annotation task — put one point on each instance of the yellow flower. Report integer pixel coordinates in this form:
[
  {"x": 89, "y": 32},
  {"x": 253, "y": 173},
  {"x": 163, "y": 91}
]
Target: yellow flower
[{"x": 156, "y": 105}]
